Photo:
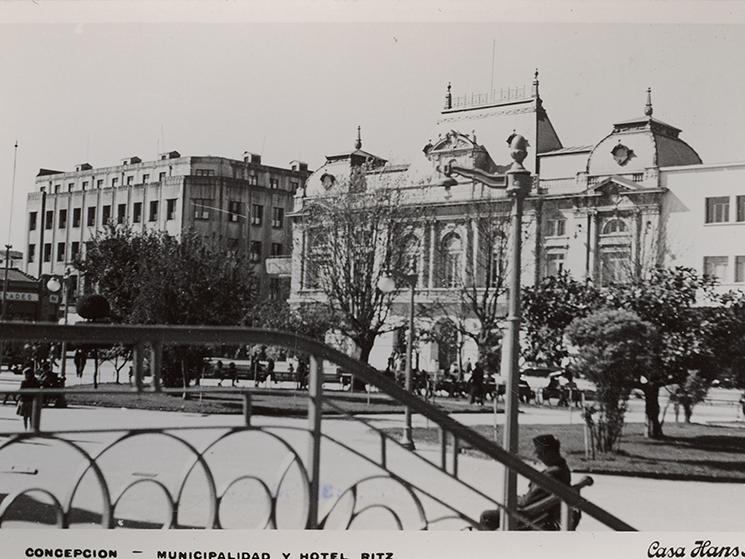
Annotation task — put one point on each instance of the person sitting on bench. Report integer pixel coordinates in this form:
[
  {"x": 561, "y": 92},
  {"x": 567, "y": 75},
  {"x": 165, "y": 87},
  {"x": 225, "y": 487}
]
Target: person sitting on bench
[{"x": 547, "y": 450}]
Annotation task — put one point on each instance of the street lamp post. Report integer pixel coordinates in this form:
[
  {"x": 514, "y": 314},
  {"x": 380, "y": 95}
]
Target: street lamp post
[
  {"x": 65, "y": 304},
  {"x": 387, "y": 284},
  {"x": 517, "y": 182}
]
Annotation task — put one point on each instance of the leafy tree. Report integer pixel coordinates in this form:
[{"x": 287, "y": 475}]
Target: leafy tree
[
  {"x": 153, "y": 278},
  {"x": 355, "y": 238},
  {"x": 615, "y": 348},
  {"x": 667, "y": 298},
  {"x": 547, "y": 309}
]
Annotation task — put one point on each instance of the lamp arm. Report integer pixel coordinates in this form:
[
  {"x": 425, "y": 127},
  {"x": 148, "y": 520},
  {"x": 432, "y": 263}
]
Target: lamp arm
[{"x": 488, "y": 179}]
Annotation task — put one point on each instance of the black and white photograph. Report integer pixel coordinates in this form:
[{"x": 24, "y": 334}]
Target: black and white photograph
[{"x": 368, "y": 266}]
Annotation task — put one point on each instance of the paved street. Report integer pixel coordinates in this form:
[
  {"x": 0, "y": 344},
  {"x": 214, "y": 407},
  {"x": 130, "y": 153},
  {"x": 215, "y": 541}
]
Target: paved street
[{"x": 645, "y": 503}]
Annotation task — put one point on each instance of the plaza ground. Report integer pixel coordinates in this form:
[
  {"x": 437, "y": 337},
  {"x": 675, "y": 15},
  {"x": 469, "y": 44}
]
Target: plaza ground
[{"x": 647, "y": 504}]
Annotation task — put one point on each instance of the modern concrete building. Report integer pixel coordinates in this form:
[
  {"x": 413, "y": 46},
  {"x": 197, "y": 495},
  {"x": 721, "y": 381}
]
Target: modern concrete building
[
  {"x": 239, "y": 205},
  {"x": 637, "y": 198}
]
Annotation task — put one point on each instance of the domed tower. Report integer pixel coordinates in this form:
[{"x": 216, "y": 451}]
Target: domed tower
[{"x": 637, "y": 148}]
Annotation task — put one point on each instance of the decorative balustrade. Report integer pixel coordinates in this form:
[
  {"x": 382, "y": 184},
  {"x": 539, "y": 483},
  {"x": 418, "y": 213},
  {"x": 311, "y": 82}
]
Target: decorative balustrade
[{"x": 247, "y": 474}]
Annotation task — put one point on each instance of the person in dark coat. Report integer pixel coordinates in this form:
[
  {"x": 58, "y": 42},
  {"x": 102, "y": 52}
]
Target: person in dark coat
[
  {"x": 80, "y": 358},
  {"x": 547, "y": 450},
  {"x": 477, "y": 384},
  {"x": 219, "y": 373},
  {"x": 233, "y": 374},
  {"x": 26, "y": 401}
]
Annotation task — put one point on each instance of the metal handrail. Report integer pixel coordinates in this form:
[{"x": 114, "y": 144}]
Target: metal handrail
[{"x": 159, "y": 335}]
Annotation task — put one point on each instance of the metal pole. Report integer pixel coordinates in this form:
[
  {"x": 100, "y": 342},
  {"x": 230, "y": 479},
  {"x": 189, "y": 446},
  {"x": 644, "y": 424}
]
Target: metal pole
[
  {"x": 408, "y": 441},
  {"x": 511, "y": 347},
  {"x": 5, "y": 300},
  {"x": 66, "y": 298},
  {"x": 315, "y": 411}
]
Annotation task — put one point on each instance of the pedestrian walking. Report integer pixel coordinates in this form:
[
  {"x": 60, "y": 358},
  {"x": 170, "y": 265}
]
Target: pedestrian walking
[
  {"x": 219, "y": 373},
  {"x": 270, "y": 370},
  {"x": 26, "y": 401},
  {"x": 477, "y": 384},
  {"x": 233, "y": 374},
  {"x": 80, "y": 358}
]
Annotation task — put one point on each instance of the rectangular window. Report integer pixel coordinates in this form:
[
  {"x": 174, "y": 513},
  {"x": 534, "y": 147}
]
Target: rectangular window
[
  {"x": 145, "y": 178},
  {"x": 130, "y": 179},
  {"x": 171, "y": 209},
  {"x": 637, "y": 177},
  {"x": 554, "y": 263},
  {"x": 31, "y": 252},
  {"x": 716, "y": 267},
  {"x": 105, "y": 214},
  {"x": 274, "y": 184},
  {"x": 47, "y": 252},
  {"x": 201, "y": 208},
  {"x": 205, "y": 172},
  {"x": 276, "y": 249},
  {"x": 62, "y": 219},
  {"x": 114, "y": 182},
  {"x": 278, "y": 217},
  {"x": 294, "y": 185},
  {"x": 84, "y": 185},
  {"x": 255, "y": 251},
  {"x": 91, "y": 217},
  {"x": 162, "y": 176},
  {"x": 235, "y": 210},
  {"x": 99, "y": 183},
  {"x": 615, "y": 266},
  {"x": 76, "y": 217},
  {"x": 153, "y": 211},
  {"x": 49, "y": 219},
  {"x": 253, "y": 180},
  {"x": 556, "y": 227},
  {"x": 121, "y": 213},
  {"x": 60, "y": 252},
  {"x": 740, "y": 269},
  {"x": 70, "y": 186},
  {"x": 32, "y": 221},
  {"x": 741, "y": 208},
  {"x": 74, "y": 250},
  {"x": 257, "y": 214},
  {"x": 274, "y": 288},
  {"x": 56, "y": 188},
  {"x": 717, "y": 209},
  {"x": 137, "y": 212}
]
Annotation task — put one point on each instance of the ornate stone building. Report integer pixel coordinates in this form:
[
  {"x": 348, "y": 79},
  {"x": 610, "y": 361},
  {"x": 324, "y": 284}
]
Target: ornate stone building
[{"x": 638, "y": 198}]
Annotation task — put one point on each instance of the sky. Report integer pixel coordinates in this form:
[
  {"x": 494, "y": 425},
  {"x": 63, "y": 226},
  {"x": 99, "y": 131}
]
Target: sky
[{"x": 80, "y": 87}]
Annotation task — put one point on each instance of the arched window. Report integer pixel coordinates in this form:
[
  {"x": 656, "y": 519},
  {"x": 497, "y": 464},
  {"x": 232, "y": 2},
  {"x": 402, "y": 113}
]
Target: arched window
[
  {"x": 614, "y": 227},
  {"x": 452, "y": 260}
]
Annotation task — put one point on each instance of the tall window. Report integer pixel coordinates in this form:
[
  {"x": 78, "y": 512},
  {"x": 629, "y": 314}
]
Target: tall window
[
  {"x": 62, "y": 219},
  {"x": 47, "y": 252},
  {"x": 278, "y": 218},
  {"x": 153, "y": 211},
  {"x": 294, "y": 185},
  {"x": 84, "y": 185},
  {"x": 717, "y": 209},
  {"x": 105, "y": 214},
  {"x": 171, "y": 209},
  {"x": 49, "y": 219},
  {"x": 31, "y": 252},
  {"x": 70, "y": 186},
  {"x": 276, "y": 249},
  {"x": 555, "y": 227},
  {"x": 130, "y": 179},
  {"x": 162, "y": 176},
  {"x": 274, "y": 184},
  {"x": 257, "y": 214},
  {"x": 253, "y": 180},
  {"x": 32, "y": 221},
  {"x": 74, "y": 250},
  {"x": 145, "y": 178},
  {"x": 740, "y": 269},
  {"x": 741, "y": 208},
  {"x": 716, "y": 267},
  {"x": 114, "y": 182},
  {"x": 91, "y": 217},
  {"x": 554, "y": 263},
  {"x": 615, "y": 265},
  {"x": 76, "y": 217},
  {"x": 201, "y": 208},
  {"x": 235, "y": 210},
  {"x": 121, "y": 213},
  {"x": 452, "y": 260},
  {"x": 60, "y": 252},
  {"x": 254, "y": 252},
  {"x": 99, "y": 183},
  {"x": 137, "y": 212}
]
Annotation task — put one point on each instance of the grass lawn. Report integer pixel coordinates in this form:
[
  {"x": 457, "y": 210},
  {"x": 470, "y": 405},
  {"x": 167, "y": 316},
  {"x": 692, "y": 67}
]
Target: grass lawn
[
  {"x": 688, "y": 452},
  {"x": 287, "y": 403}
]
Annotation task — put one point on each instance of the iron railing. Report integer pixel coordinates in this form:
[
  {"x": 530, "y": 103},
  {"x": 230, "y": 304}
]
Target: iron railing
[{"x": 329, "y": 482}]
